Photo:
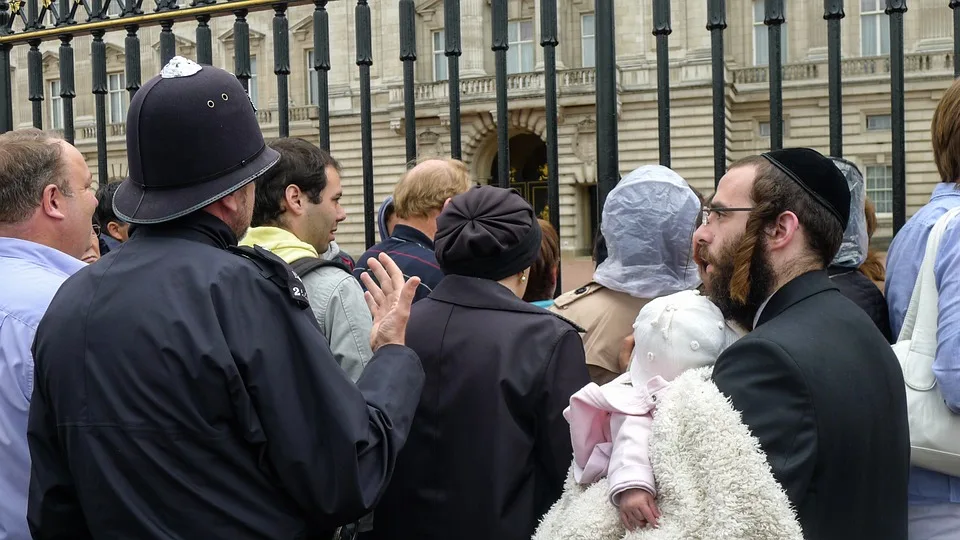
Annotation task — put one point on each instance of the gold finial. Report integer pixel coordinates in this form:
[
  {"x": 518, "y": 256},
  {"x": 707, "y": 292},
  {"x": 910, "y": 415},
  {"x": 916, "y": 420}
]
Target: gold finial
[
  {"x": 46, "y": 3},
  {"x": 15, "y": 7}
]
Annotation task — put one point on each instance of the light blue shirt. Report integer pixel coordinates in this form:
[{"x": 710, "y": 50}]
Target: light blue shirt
[
  {"x": 903, "y": 265},
  {"x": 30, "y": 274}
]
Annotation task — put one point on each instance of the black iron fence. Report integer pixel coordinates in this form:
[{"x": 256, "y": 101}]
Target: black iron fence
[{"x": 62, "y": 20}]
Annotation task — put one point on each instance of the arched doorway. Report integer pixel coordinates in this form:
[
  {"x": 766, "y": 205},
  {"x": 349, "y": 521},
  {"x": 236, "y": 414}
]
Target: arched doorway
[{"x": 528, "y": 170}]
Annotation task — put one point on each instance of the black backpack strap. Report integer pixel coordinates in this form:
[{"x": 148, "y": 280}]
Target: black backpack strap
[{"x": 306, "y": 265}]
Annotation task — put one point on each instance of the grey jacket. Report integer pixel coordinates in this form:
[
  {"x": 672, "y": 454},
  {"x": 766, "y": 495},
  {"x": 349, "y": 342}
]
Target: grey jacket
[{"x": 337, "y": 302}]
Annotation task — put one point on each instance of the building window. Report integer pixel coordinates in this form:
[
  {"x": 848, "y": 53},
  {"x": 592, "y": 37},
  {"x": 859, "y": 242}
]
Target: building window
[
  {"x": 874, "y": 28},
  {"x": 588, "y": 40},
  {"x": 439, "y": 56},
  {"x": 313, "y": 80},
  {"x": 520, "y": 54},
  {"x": 764, "y": 129},
  {"x": 761, "y": 37},
  {"x": 117, "y": 94},
  {"x": 879, "y": 122},
  {"x": 880, "y": 187},
  {"x": 252, "y": 86},
  {"x": 56, "y": 105}
]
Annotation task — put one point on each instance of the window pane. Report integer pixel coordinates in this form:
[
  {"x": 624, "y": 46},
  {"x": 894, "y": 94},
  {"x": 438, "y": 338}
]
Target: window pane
[
  {"x": 589, "y": 52},
  {"x": 513, "y": 60},
  {"x": 761, "y": 53},
  {"x": 588, "y": 25},
  {"x": 115, "y": 108},
  {"x": 527, "y": 56},
  {"x": 438, "y": 41},
  {"x": 526, "y": 30},
  {"x": 880, "y": 187},
  {"x": 253, "y": 80},
  {"x": 513, "y": 31},
  {"x": 879, "y": 122},
  {"x": 758, "y": 11},
  {"x": 439, "y": 66},
  {"x": 312, "y": 81},
  {"x": 868, "y": 35},
  {"x": 868, "y": 5},
  {"x": 764, "y": 129},
  {"x": 883, "y": 23}
]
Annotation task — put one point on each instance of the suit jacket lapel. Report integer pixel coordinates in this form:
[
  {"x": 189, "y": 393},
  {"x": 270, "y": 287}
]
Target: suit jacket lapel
[{"x": 798, "y": 289}]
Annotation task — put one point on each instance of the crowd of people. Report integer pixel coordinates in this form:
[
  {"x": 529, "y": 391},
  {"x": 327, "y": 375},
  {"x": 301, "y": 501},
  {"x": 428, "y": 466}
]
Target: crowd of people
[{"x": 189, "y": 354}]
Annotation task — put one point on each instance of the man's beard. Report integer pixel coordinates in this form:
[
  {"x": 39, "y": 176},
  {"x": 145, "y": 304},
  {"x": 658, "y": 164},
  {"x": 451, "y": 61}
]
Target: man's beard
[
  {"x": 761, "y": 280},
  {"x": 240, "y": 222}
]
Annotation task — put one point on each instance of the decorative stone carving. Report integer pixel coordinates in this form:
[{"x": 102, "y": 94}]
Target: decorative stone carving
[
  {"x": 585, "y": 141},
  {"x": 396, "y": 125},
  {"x": 428, "y": 144}
]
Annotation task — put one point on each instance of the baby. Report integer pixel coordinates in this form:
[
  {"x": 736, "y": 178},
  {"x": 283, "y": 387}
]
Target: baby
[{"x": 610, "y": 426}]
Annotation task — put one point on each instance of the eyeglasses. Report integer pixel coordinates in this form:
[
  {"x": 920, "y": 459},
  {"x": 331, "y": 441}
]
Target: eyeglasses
[
  {"x": 96, "y": 230},
  {"x": 719, "y": 210}
]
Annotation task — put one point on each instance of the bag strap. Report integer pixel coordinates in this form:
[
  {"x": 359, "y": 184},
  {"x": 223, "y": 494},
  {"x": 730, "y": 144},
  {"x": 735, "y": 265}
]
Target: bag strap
[
  {"x": 308, "y": 264},
  {"x": 920, "y": 324}
]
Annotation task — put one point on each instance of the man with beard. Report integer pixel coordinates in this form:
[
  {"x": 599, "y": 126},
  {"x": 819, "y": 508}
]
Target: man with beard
[{"x": 815, "y": 380}]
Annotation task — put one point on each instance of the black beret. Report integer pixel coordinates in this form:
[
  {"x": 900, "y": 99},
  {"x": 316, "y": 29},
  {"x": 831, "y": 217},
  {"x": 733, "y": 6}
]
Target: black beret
[
  {"x": 487, "y": 232},
  {"x": 818, "y": 176}
]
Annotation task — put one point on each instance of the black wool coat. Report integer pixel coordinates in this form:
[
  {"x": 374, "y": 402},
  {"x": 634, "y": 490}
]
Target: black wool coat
[
  {"x": 489, "y": 448},
  {"x": 822, "y": 390},
  {"x": 857, "y": 287}
]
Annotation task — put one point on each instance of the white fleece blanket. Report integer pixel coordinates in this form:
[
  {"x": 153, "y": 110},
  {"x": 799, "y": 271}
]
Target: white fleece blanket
[{"x": 714, "y": 480}]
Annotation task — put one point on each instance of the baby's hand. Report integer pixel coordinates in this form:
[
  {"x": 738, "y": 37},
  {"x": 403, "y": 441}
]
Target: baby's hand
[{"x": 638, "y": 508}]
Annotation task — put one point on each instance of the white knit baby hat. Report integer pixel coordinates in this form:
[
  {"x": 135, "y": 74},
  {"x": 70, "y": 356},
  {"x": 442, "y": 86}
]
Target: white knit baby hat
[{"x": 675, "y": 333}]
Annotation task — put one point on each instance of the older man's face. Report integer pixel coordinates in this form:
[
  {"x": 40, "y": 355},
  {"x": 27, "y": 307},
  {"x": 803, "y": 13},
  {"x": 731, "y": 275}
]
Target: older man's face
[{"x": 79, "y": 206}]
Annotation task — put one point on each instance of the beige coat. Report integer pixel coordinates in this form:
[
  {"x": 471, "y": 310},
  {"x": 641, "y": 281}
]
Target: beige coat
[{"x": 607, "y": 316}]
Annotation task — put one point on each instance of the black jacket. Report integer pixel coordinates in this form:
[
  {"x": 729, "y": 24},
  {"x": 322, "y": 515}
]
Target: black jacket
[
  {"x": 864, "y": 293},
  {"x": 213, "y": 407},
  {"x": 489, "y": 449},
  {"x": 823, "y": 392}
]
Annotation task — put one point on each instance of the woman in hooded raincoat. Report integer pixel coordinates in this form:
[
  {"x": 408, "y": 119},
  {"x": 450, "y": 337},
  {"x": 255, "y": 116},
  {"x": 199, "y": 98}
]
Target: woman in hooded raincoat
[{"x": 648, "y": 224}]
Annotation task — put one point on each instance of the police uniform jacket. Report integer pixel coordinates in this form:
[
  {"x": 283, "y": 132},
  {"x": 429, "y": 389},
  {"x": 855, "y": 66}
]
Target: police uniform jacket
[
  {"x": 489, "y": 448},
  {"x": 184, "y": 391},
  {"x": 818, "y": 385}
]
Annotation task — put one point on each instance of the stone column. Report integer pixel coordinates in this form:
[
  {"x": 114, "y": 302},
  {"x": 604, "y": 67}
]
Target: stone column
[
  {"x": 936, "y": 27},
  {"x": 560, "y": 34},
  {"x": 472, "y": 41},
  {"x": 813, "y": 33}
]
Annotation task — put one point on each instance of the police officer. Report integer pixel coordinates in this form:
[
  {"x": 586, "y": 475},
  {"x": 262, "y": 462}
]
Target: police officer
[{"x": 184, "y": 389}]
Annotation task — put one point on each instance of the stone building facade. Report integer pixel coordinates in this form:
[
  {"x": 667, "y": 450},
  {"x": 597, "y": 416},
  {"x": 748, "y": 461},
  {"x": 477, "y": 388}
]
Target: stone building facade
[{"x": 866, "y": 93}]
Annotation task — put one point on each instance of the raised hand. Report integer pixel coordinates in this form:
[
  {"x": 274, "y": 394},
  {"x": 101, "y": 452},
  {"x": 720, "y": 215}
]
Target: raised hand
[{"x": 389, "y": 298}]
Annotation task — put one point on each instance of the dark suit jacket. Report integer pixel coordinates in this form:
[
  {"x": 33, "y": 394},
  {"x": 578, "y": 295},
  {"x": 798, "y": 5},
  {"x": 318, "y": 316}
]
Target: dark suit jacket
[
  {"x": 821, "y": 389},
  {"x": 489, "y": 448}
]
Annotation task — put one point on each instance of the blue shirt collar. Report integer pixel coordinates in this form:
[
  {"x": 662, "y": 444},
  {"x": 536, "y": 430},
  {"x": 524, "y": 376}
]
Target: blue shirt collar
[
  {"x": 946, "y": 189},
  {"x": 39, "y": 254}
]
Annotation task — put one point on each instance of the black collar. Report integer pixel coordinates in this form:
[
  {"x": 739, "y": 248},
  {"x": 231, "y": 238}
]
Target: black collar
[
  {"x": 199, "y": 226},
  {"x": 481, "y": 293},
  {"x": 799, "y": 288},
  {"x": 411, "y": 234}
]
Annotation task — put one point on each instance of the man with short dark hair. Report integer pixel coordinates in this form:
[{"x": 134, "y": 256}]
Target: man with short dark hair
[
  {"x": 113, "y": 230},
  {"x": 46, "y": 203},
  {"x": 295, "y": 216},
  {"x": 815, "y": 380}
]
